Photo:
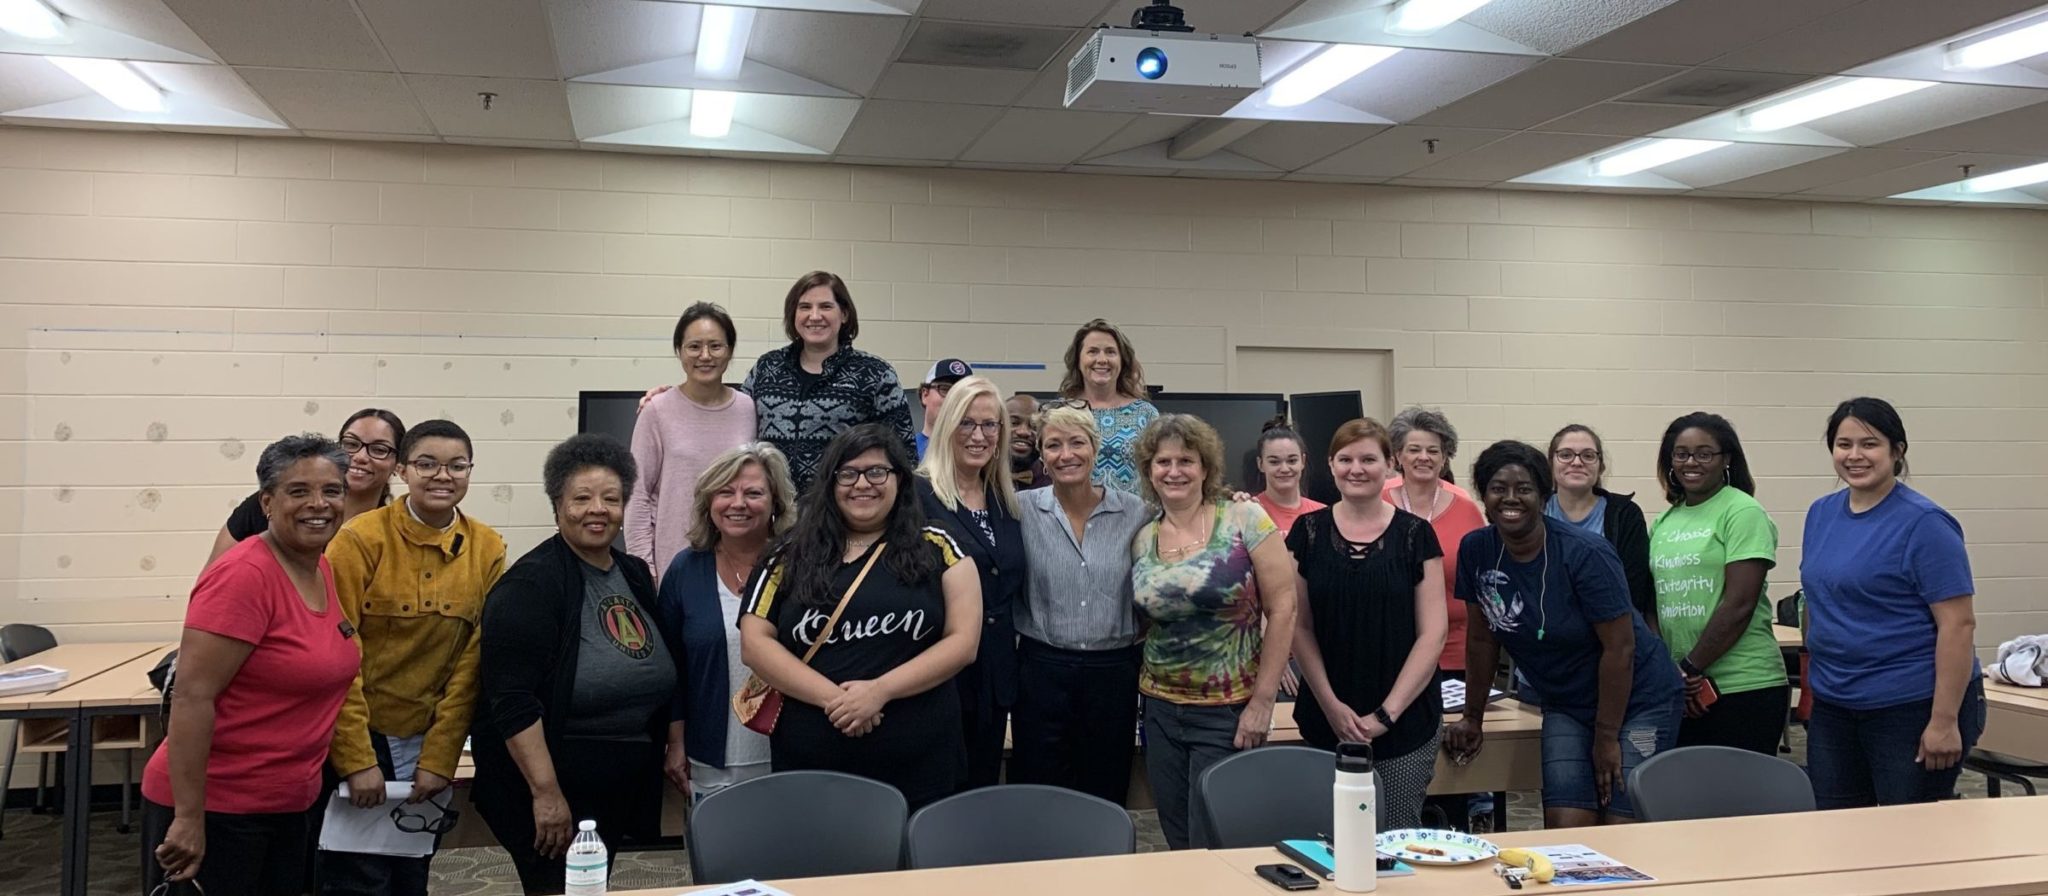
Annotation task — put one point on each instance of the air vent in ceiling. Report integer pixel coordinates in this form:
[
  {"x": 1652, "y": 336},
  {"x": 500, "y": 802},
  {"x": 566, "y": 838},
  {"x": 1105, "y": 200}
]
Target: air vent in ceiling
[
  {"x": 984, "y": 46},
  {"x": 1713, "y": 88}
]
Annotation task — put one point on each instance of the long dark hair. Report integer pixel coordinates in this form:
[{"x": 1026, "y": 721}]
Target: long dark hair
[
  {"x": 1724, "y": 434},
  {"x": 397, "y": 440},
  {"x": 1881, "y": 417},
  {"x": 812, "y": 550}
]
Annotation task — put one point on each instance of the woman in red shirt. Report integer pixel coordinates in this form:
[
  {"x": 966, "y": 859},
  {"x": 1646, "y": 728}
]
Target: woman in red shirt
[{"x": 265, "y": 661}]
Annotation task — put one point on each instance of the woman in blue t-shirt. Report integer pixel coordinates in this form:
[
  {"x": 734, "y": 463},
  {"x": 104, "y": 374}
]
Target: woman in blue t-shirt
[
  {"x": 1897, "y": 698},
  {"x": 1556, "y": 599}
]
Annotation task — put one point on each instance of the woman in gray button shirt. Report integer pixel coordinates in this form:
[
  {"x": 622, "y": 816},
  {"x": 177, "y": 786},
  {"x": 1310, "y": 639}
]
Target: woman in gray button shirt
[{"x": 1076, "y": 715}]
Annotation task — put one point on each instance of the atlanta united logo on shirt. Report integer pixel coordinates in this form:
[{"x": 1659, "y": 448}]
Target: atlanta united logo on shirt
[{"x": 624, "y": 625}]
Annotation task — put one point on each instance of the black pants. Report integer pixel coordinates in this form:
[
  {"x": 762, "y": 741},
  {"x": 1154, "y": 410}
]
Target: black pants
[
  {"x": 983, "y": 720},
  {"x": 361, "y": 874},
  {"x": 618, "y": 784},
  {"x": 1076, "y": 718},
  {"x": 1751, "y": 720},
  {"x": 257, "y": 855}
]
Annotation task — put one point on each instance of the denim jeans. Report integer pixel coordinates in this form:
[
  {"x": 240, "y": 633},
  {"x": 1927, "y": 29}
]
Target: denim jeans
[
  {"x": 1181, "y": 742},
  {"x": 1864, "y": 757},
  {"x": 1568, "y": 775}
]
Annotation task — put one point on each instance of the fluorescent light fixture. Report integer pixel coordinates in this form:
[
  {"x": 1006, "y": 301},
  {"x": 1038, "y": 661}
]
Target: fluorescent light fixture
[
  {"x": 1336, "y": 64},
  {"x": 1835, "y": 95},
  {"x": 121, "y": 84},
  {"x": 31, "y": 20},
  {"x": 722, "y": 35},
  {"x": 1650, "y": 154},
  {"x": 1994, "y": 51},
  {"x": 711, "y": 112},
  {"x": 1417, "y": 18},
  {"x": 2006, "y": 180}
]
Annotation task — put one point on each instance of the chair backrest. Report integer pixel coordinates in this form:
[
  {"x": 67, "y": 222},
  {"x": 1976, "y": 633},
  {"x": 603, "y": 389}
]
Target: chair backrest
[
  {"x": 1788, "y": 608},
  {"x": 1716, "y": 782},
  {"x": 1018, "y": 823},
  {"x": 22, "y": 640},
  {"x": 1259, "y": 797},
  {"x": 797, "y": 824}
]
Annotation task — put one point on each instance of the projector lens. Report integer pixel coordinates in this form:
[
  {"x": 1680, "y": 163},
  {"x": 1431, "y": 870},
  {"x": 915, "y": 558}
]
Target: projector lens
[{"x": 1151, "y": 63}]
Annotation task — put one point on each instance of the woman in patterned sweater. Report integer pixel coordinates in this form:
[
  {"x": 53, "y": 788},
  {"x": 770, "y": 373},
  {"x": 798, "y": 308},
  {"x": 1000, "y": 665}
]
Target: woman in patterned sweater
[
  {"x": 819, "y": 385},
  {"x": 1103, "y": 371}
]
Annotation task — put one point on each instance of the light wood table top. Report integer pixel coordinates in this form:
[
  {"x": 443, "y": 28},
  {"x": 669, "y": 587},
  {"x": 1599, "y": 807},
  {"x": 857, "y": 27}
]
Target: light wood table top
[
  {"x": 2015, "y": 721},
  {"x": 1788, "y": 636},
  {"x": 124, "y": 685},
  {"x": 1774, "y": 846},
  {"x": 1991, "y": 877},
  {"x": 1506, "y": 717},
  {"x": 83, "y": 661},
  {"x": 1184, "y": 873},
  {"x": 2020, "y": 699}
]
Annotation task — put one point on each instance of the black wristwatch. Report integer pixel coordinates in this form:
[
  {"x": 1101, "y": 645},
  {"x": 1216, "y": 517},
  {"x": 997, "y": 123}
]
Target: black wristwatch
[
  {"x": 1691, "y": 671},
  {"x": 1381, "y": 714}
]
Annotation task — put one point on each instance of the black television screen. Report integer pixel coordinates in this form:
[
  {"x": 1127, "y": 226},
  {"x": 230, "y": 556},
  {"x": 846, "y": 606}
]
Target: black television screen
[
  {"x": 1239, "y": 418},
  {"x": 1316, "y": 415}
]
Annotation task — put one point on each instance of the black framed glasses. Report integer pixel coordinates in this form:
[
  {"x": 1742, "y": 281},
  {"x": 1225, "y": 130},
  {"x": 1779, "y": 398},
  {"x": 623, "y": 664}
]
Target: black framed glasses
[
  {"x": 1704, "y": 455},
  {"x": 986, "y": 427},
  {"x": 874, "y": 475},
  {"x": 412, "y": 822},
  {"x": 1588, "y": 457},
  {"x": 377, "y": 450},
  {"x": 427, "y": 466}
]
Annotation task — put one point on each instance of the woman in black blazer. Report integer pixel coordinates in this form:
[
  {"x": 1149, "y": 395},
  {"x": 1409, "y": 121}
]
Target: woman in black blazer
[{"x": 964, "y": 484}]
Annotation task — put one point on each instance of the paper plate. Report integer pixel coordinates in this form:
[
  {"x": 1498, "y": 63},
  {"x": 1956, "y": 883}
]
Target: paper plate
[{"x": 1456, "y": 848}]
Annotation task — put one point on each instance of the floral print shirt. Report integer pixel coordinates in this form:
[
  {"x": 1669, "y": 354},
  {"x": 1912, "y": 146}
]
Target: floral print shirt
[{"x": 1206, "y": 626}]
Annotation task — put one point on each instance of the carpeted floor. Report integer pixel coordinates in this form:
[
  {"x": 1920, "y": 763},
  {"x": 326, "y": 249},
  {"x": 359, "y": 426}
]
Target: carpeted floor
[{"x": 29, "y": 850}]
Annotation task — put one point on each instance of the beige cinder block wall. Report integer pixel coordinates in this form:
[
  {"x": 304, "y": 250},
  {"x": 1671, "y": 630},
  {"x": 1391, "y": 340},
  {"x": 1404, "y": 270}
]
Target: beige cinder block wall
[{"x": 169, "y": 303}]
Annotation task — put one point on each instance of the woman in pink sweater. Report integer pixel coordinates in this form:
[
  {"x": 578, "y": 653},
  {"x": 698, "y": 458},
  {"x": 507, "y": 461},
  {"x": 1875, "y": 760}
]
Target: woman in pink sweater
[{"x": 678, "y": 433}]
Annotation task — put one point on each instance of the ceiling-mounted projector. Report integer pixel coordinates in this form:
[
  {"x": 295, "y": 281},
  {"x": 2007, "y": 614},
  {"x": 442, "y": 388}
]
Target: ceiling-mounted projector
[{"x": 1159, "y": 64}]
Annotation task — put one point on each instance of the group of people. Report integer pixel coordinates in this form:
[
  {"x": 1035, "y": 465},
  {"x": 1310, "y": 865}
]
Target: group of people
[{"x": 1055, "y": 570}]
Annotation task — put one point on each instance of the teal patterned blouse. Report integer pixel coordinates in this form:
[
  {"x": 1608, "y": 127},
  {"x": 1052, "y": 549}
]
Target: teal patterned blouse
[{"x": 1116, "y": 462}]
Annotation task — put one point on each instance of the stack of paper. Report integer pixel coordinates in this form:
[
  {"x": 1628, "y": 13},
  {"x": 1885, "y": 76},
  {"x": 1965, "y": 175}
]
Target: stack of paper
[{"x": 28, "y": 679}]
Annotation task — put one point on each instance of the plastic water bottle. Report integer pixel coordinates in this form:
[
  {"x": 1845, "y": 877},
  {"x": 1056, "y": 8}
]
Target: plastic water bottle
[
  {"x": 1355, "y": 805},
  {"x": 588, "y": 862}
]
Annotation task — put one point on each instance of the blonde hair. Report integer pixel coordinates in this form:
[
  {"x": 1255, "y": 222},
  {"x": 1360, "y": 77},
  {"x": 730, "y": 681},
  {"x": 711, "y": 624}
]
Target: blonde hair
[
  {"x": 939, "y": 455},
  {"x": 1198, "y": 436},
  {"x": 1067, "y": 417},
  {"x": 723, "y": 470}
]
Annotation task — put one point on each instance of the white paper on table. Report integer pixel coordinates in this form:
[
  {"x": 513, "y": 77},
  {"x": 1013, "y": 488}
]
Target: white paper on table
[
  {"x": 346, "y": 828},
  {"x": 1579, "y": 865},
  {"x": 741, "y": 888}
]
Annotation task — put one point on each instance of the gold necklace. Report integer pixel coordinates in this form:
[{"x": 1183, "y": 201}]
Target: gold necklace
[{"x": 1181, "y": 553}]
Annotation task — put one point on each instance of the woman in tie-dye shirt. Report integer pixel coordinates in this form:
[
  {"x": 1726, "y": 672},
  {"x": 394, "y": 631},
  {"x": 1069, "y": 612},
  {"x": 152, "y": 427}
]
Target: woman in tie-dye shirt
[
  {"x": 1218, "y": 594},
  {"x": 1104, "y": 378}
]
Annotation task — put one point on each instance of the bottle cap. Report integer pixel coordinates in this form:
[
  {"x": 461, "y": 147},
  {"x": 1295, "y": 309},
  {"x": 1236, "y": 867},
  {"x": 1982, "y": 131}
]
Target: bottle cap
[
  {"x": 586, "y": 825},
  {"x": 1353, "y": 756}
]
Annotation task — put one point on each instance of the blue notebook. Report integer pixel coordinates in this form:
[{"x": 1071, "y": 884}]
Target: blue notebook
[{"x": 1315, "y": 857}]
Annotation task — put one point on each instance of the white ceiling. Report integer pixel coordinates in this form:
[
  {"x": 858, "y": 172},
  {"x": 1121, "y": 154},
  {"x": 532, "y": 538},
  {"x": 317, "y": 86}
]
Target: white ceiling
[{"x": 828, "y": 79}]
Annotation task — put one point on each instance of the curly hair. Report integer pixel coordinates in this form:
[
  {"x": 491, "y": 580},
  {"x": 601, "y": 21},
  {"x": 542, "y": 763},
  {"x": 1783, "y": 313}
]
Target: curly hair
[
  {"x": 1416, "y": 418},
  {"x": 581, "y": 452},
  {"x": 281, "y": 455},
  {"x": 1198, "y": 436},
  {"x": 1510, "y": 453},
  {"x": 811, "y": 552}
]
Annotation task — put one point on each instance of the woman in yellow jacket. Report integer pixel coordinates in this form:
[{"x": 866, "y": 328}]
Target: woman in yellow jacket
[{"x": 411, "y": 577}]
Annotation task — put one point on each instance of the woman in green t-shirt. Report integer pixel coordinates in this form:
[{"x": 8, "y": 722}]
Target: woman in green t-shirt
[{"x": 1709, "y": 554}]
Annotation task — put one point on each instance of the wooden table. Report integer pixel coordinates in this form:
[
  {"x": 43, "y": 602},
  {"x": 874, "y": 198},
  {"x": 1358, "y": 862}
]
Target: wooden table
[
  {"x": 112, "y": 676},
  {"x": 1511, "y": 759},
  {"x": 1789, "y": 637},
  {"x": 1958, "y": 848},
  {"x": 2016, "y": 721}
]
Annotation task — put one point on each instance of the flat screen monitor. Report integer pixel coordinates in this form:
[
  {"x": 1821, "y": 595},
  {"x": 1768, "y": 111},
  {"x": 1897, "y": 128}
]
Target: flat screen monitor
[
  {"x": 1316, "y": 416},
  {"x": 1239, "y": 417}
]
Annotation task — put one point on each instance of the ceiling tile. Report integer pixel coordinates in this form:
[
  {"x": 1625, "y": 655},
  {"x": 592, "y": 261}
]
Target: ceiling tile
[
  {"x": 1045, "y": 136},
  {"x": 338, "y": 101},
  {"x": 592, "y": 36},
  {"x": 894, "y": 129},
  {"x": 1551, "y": 26},
  {"x": 1397, "y": 151},
  {"x": 1551, "y": 89},
  {"x": 1868, "y": 31},
  {"x": 600, "y": 109},
  {"x": 847, "y": 52},
  {"x": 984, "y": 46},
  {"x": 1690, "y": 32},
  {"x": 1288, "y": 145},
  {"x": 1935, "y": 172},
  {"x": 486, "y": 38},
  {"x": 1069, "y": 13},
  {"x": 1622, "y": 119},
  {"x": 951, "y": 84},
  {"x": 292, "y": 33},
  {"x": 1413, "y": 82},
  {"x": 1836, "y": 168},
  {"x": 1707, "y": 88},
  {"x": 521, "y": 109},
  {"x": 2021, "y": 131},
  {"x": 1143, "y": 130},
  {"x": 1515, "y": 156},
  {"x": 149, "y": 20}
]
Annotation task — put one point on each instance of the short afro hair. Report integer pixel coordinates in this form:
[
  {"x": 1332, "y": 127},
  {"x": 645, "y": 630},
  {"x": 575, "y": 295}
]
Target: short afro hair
[
  {"x": 580, "y": 452},
  {"x": 1510, "y": 453}
]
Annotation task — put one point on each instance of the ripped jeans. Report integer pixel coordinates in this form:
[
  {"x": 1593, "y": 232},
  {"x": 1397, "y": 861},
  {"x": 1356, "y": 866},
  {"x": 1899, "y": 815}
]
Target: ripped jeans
[{"x": 1568, "y": 755}]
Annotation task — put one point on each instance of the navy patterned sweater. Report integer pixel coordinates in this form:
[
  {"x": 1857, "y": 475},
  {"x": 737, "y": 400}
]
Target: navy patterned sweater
[{"x": 800, "y": 412}]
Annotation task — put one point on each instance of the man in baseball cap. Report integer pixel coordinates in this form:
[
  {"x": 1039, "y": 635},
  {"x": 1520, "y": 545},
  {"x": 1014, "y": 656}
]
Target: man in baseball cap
[{"x": 932, "y": 392}]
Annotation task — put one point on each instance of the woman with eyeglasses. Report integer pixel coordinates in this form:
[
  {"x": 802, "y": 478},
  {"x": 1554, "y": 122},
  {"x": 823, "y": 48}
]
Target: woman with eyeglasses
[
  {"x": 1555, "y": 599},
  {"x": 1578, "y": 461},
  {"x": 897, "y": 605},
  {"x": 1104, "y": 378},
  {"x": 578, "y": 680},
  {"x": 411, "y": 577},
  {"x": 964, "y": 485},
  {"x": 1898, "y": 695},
  {"x": 264, "y": 663},
  {"x": 370, "y": 438},
  {"x": 1711, "y": 551},
  {"x": 679, "y": 431}
]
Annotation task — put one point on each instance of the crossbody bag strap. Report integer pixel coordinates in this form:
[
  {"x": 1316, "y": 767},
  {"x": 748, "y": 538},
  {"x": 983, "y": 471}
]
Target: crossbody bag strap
[{"x": 844, "y": 599}]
